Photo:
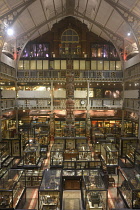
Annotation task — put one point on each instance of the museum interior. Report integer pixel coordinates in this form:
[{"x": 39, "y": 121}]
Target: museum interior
[{"x": 69, "y": 104}]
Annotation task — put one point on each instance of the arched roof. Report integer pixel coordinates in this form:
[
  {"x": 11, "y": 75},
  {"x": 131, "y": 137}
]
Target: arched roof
[{"x": 109, "y": 19}]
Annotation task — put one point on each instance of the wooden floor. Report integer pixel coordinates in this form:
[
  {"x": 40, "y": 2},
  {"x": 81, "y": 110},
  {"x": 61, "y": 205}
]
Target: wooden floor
[{"x": 72, "y": 200}]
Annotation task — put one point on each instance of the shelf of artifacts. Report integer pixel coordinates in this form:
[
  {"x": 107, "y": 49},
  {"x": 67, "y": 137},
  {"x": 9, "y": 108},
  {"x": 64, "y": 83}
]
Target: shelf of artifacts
[
  {"x": 80, "y": 127},
  {"x": 129, "y": 187},
  {"x": 25, "y": 136},
  {"x": 33, "y": 178},
  {"x": 12, "y": 188},
  {"x": 41, "y": 133},
  {"x": 123, "y": 144},
  {"x": 107, "y": 126},
  {"x": 31, "y": 157},
  {"x": 94, "y": 193},
  {"x": 59, "y": 128},
  {"x": 50, "y": 191},
  {"x": 15, "y": 147}
]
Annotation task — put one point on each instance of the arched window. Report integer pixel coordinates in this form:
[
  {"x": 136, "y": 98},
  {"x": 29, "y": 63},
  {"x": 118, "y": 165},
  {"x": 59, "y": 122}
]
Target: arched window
[{"x": 70, "y": 44}]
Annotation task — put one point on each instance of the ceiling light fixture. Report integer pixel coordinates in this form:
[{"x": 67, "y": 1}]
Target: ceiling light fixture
[
  {"x": 10, "y": 31},
  {"x": 128, "y": 34}
]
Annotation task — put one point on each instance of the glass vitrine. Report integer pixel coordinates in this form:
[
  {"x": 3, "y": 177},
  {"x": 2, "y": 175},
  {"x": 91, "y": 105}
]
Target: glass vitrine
[
  {"x": 31, "y": 154},
  {"x": 4, "y": 152},
  {"x": 130, "y": 152},
  {"x": 109, "y": 153},
  {"x": 129, "y": 187},
  {"x": 123, "y": 144},
  {"x": 137, "y": 157},
  {"x": 84, "y": 152},
  {"x": 50, "y": 191},
  {"x": 56, "y": 155},
  {"x": 94, "y": 193},
  {"x": 12, "y": 188},
  {"x": 96, "y": 150},
  {"x": 33, "y": 178}
]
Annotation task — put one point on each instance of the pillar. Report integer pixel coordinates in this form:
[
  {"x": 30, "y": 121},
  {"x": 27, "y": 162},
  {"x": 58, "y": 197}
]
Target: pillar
[
  {"x": 88, "y": 122},
  {"x": 0, "y": 114}
]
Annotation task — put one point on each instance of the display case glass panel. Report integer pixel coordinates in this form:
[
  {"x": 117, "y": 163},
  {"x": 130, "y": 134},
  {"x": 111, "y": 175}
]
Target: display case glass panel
[
  {"x": 56, "y": 155},
  {"x": 94, "y": 193},
  {"x": 129, "y": 187},
  {"x": 109, "y": 153},
  {"x": 31, "y": 154},
  {"x": 12, "y": 188},
  {"x": 123, "y": 144},
  {"x": 4, "y": 152},
  {"x": 50, "y": 190}
]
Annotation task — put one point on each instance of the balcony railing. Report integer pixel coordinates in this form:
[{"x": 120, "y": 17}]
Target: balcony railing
[
  {"x": 7, "y": 71},
  {"x": 132, "y": 72},
  {"x": 131, "y": 104},
  {"x": 8, "y": 104},
  {"x": 61, "y": 104},
  {"x": 61, "y": 74}
]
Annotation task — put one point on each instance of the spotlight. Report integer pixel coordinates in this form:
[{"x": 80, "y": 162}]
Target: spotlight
[
  {"x": 10, "y": 31},
  {"x": 128, "y": 34}
]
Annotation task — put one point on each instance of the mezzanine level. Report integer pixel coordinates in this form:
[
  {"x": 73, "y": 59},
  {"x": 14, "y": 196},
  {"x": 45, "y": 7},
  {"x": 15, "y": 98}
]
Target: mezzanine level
[
  {"x": 49, "y": 75},
  {"x": 7, "y": 72},
  {"x": 7, "y": 105},
  {"x": 129, "y": 104},
  {"x": 132, "y": 73},
  {"x": 80, "y": 104}
]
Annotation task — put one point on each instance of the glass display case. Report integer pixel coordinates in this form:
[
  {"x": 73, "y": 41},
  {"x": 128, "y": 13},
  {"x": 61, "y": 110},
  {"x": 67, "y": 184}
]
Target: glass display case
[
  {"x": 41, "y": 133},
  {"x": 50, "y": 191},
  {"x": 80, "y": 128},
  {"x": 96, "y": 150},
  {"x": 137, "y": 157},
  {"x": 59, "y": 128},
  {"x": 94, "y": 193},
  {"x": 109, "y": 153},
  {"x": 56, "y": 155},
  {"x": 81, "y": 164},
  {"x": 33, "y": 178},
  {"x": 123, "y": 144},
  {"x": 4, "y": 152},
  {"x": 129, "y": 187},
  {"x": 15, "y": 148},
  {"x": 43, "y": 151},
  {"x": 12, "y": 189},
  {"x": 7, "y": 164},
  {"x": 84, "y": 152},
  {"x": 31, "y": 154},
  {"x": 130, "y": 153}
]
